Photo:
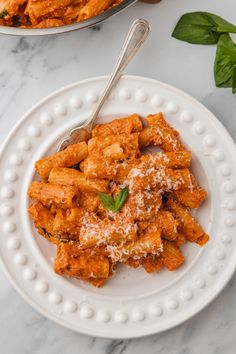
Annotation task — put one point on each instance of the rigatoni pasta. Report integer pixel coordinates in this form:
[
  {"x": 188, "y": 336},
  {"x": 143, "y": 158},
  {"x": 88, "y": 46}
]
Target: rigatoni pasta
[
  {"x": 65, "y": 158},
  {"x": 107, "y": 202},
  {"x": 149, "y": 243},
  {"x": 95, "y": 231},
  {"x": 71, "y": 177},
  {"x": 123, "y": 146},
  {"x": 71, "y": 261},
  {"x": 187, "y": 223},
  {"x": 48, "y": 193},
  {"x": 50, "y": 13},
  {"x": 127, "y": 125},
  {"x": 169, "y": 136}
]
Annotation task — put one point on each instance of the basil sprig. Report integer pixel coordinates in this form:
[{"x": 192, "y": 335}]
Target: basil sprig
[
  {"x": 114, "y": 204},
  {"x": 207, "y": 28},
  {"x": 225, "y": 63},
  {"x": 201, "y": 28}
]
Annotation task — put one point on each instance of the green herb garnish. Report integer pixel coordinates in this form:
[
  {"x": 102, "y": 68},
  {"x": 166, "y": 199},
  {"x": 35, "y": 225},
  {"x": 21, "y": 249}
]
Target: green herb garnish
[
  {"x": 114, "y": 204},
  {"x": 234, "y": 80},
  {"x": 201, "y": 28},
  {"x": 46, "y": 233},
  {"x": 225, "y": 62},
  {"x": 3, "y": 13},
  {"x": 207, "y": 28}
]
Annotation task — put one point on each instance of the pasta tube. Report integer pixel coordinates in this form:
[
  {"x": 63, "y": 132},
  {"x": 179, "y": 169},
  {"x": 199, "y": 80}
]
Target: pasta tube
[
  {"x": 142, "y": 205},
  {"x": 49, "y": 193},
  {"x": 152, "y": 263},
  {"x": 149, "y": 136},
  {"x": 166, "y": 223},
  {"x": 191, "y": 198},
  {"x": 36, "y": 9},
  {"x": 89, "y": 201},
  {"x": 169, "y": 136},
  {"x": 43, "y": 220},
  {"x": 68, "y": 221},
  {"x": 72, "y": 262},
  {"x": 71, "y": 177},
  {"x": 93, "y": 8},
  {"x": 72, "y": 155},
  {"x": 163, "y": 178},
  {"x": 175, "y": 159},
  {"x": 125, "y": 125},
  {"x": 95, "y": 232},
  {"x": 149, "y": 243},
  {"x": 133, "y": 262},
  {"x": 114, "y": 151},
  {"x": 95, "y": 167},
  {"x": 127, "y": 142},
  {"x": 187, "y": 224},
  {"x": 180, "y": 239},
  {"x": 171, "y": 256}
]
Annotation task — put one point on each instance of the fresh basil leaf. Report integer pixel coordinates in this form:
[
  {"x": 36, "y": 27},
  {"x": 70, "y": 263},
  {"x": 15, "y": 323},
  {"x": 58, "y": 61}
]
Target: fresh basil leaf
[
  {"x": 225, "y": 61},
  {"x": 220, "y": 25},
  {"x": 201, "y": 28},
  {"x": 114, "y": 204},
  {"x": 121, "y": 198},
  {"x": 234, "y": 80},
  {"x": 107, "y": 201}
]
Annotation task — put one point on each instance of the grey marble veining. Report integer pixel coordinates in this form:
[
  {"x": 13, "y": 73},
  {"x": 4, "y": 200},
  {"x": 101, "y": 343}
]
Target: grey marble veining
[{"x": 31, "y": 68}]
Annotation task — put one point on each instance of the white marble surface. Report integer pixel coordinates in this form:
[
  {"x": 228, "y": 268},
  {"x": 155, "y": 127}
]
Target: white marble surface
[{"x": 34, "y": 67}]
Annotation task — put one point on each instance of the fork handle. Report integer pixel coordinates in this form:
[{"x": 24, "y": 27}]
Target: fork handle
[{"x": 136, "y": 36}]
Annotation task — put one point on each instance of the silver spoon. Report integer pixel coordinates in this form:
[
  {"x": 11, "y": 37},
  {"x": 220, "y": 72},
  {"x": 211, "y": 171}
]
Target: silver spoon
[{"x": 136, "y": 36}]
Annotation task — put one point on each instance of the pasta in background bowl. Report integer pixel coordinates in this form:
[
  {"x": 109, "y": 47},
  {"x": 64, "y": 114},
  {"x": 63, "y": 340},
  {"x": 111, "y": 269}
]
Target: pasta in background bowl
[{"x": 38, "y": 17}]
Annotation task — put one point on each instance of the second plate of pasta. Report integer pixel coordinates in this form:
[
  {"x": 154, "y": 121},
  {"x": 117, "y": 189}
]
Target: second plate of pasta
[{"x": 104, "y": 182}]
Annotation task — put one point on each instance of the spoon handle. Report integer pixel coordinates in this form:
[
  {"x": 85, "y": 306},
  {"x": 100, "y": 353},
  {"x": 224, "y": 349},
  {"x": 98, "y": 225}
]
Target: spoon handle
[{"x": 136, "y": 36}]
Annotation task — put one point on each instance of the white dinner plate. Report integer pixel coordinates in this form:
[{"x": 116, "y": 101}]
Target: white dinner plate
[{"x": 133, "y": 303}]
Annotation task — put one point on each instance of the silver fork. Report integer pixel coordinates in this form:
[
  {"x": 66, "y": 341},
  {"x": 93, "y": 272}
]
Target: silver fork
[{"x": 136, "y": 36}]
